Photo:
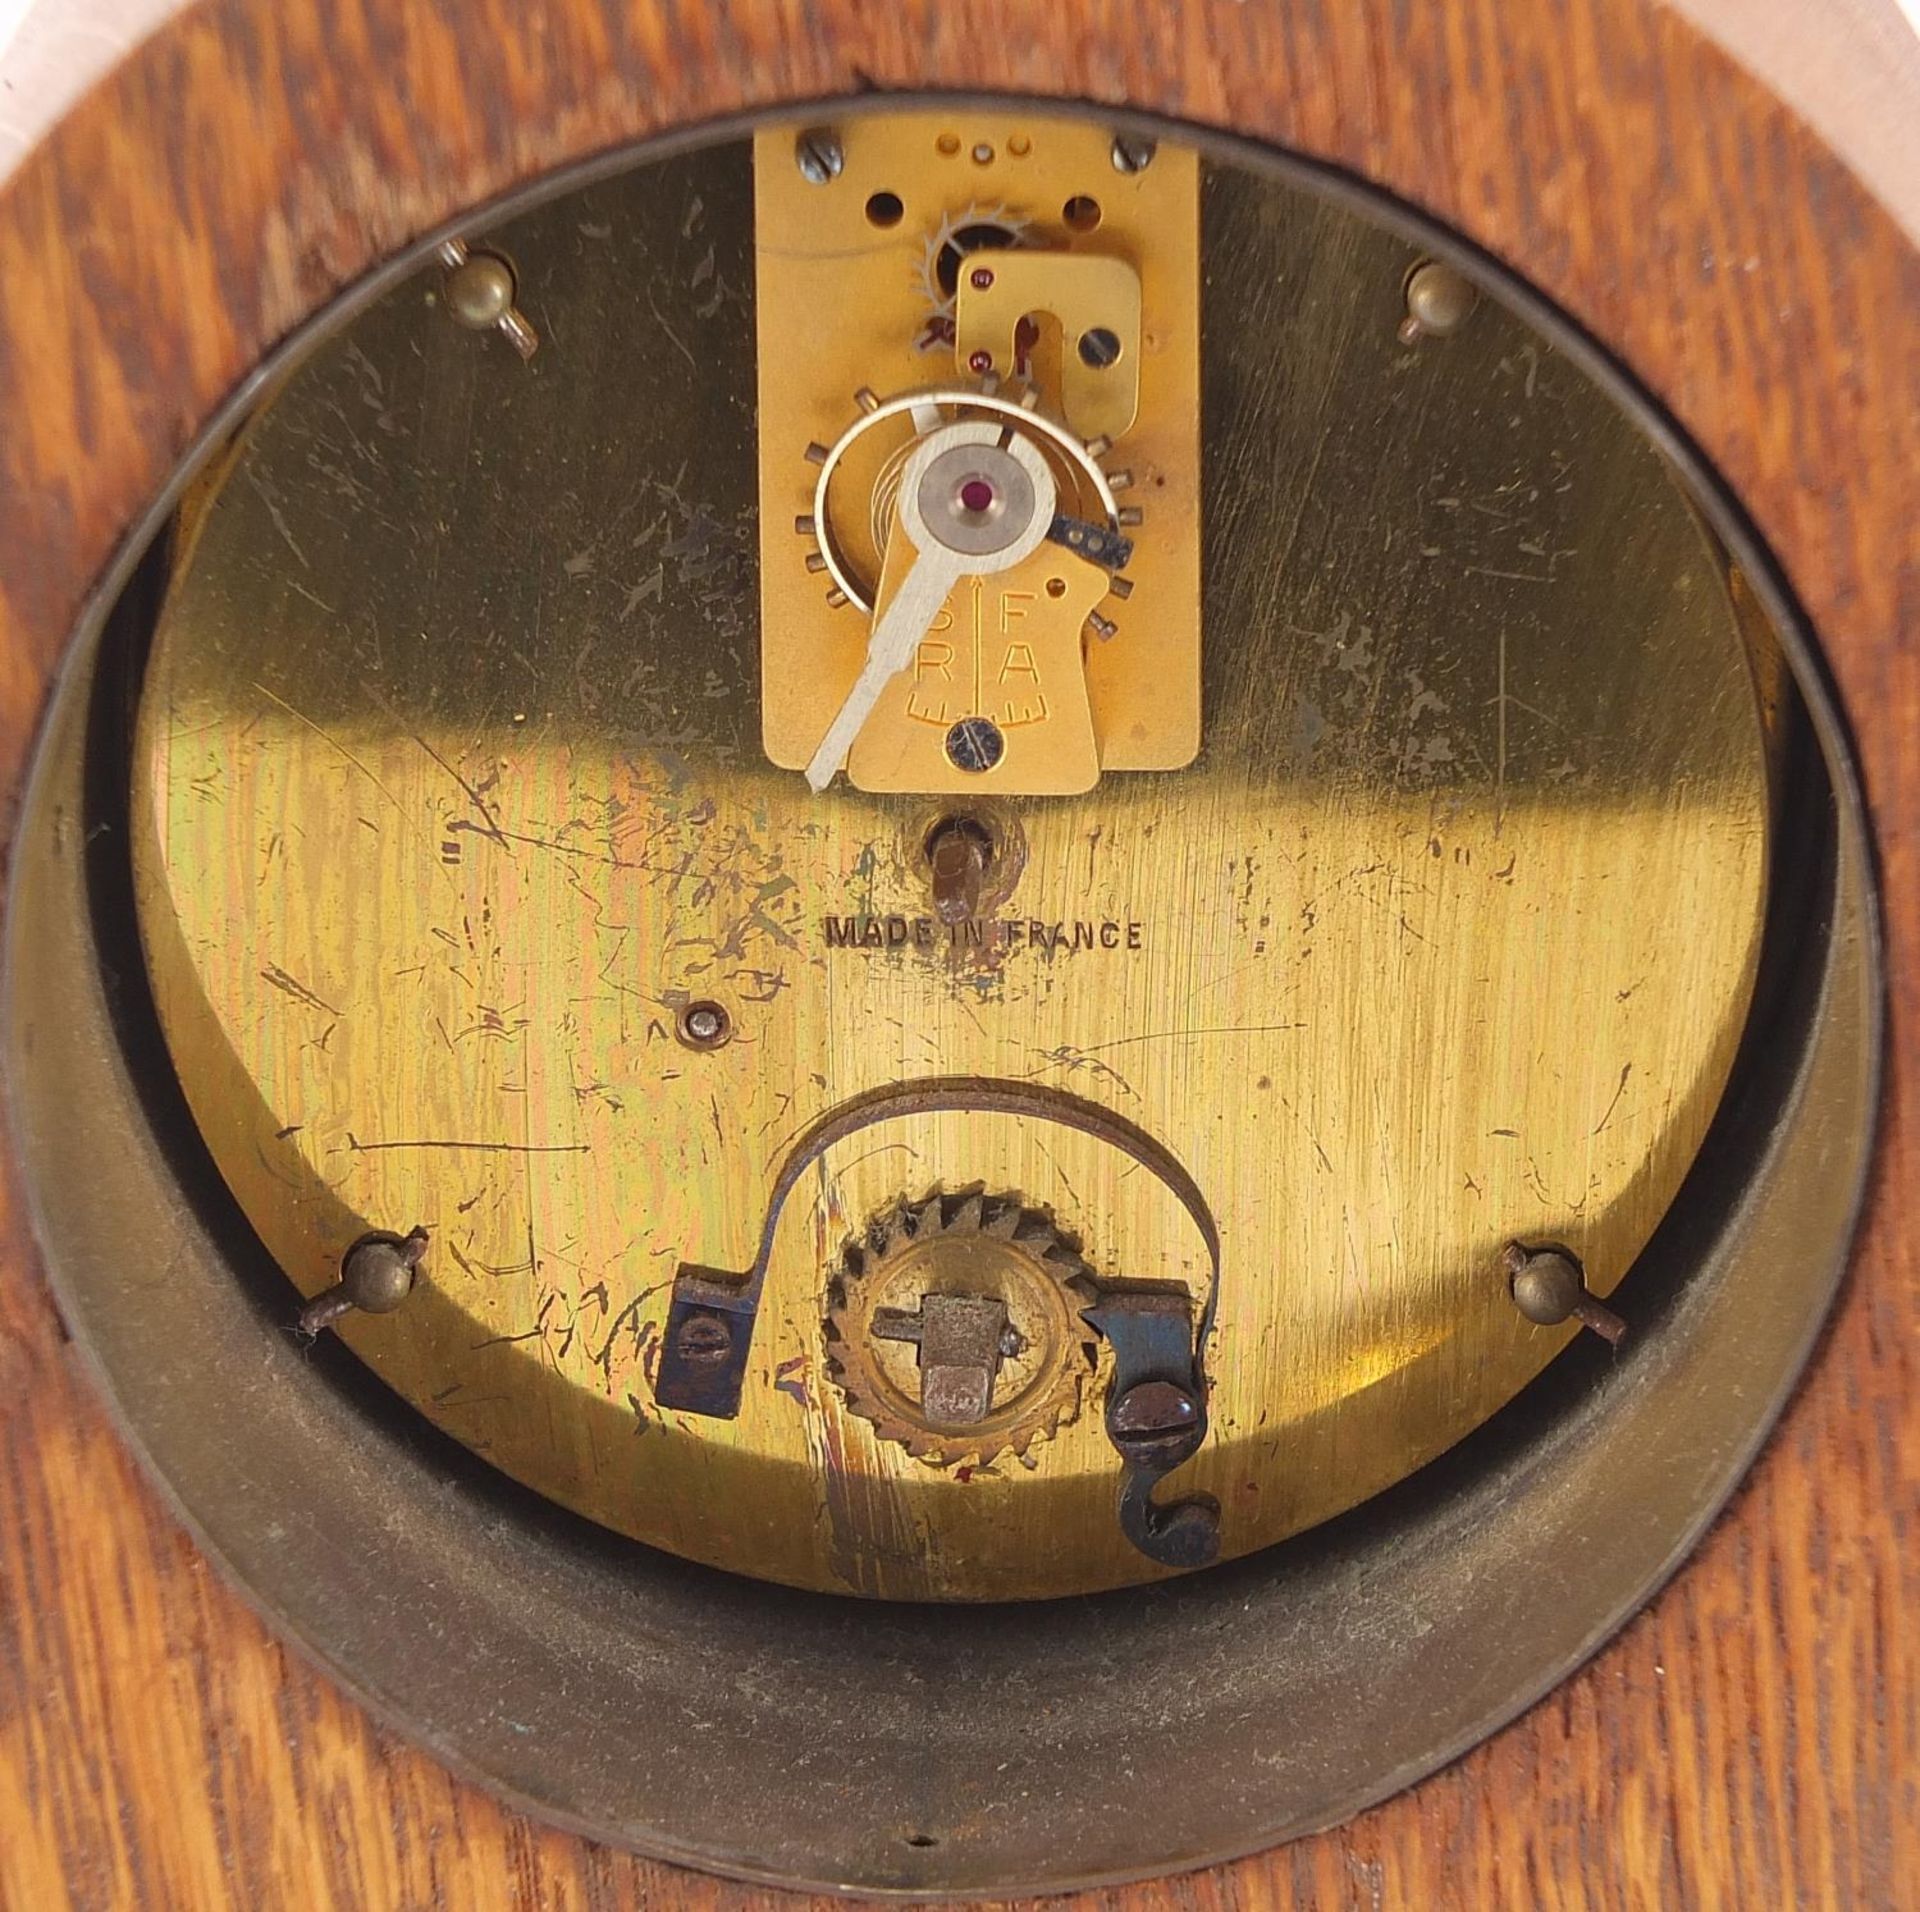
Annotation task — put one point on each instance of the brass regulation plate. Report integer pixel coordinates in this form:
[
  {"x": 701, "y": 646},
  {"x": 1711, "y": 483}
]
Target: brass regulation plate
[
  {"x": 862, "y": 282},
  {"x": 450, "y": 798}
]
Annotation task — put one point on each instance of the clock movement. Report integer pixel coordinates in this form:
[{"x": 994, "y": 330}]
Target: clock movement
[
  {"x": 907, "y": 995},
  {"x": 948, "y": 992}
]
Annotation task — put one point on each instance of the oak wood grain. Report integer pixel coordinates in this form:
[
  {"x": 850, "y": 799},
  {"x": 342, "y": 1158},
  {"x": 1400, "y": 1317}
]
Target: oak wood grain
[{"x": 1754, "y": 1738}]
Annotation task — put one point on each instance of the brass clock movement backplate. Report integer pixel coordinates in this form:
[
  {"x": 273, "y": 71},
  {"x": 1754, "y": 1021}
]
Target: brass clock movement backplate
[{"x": 474, "y": 899}]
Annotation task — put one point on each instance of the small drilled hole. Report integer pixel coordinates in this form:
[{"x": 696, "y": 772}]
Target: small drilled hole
[
  {"x": 884, "y": 209},
  {"x": 1081, "y": 213},
  {"x": 947, "y": 144},
  {"x": 1056, "y": 587},
  {"x": 983, "y": 154}
]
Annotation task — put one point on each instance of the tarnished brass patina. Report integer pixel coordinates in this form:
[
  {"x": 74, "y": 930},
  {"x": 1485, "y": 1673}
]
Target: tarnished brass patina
[{"x": 450, "y": 798}]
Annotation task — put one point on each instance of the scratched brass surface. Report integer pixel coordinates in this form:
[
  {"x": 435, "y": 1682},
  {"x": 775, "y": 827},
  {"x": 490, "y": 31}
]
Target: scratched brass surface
[
  {"x": 846, "y": 304},
  {"x": 449, "y": 789}
]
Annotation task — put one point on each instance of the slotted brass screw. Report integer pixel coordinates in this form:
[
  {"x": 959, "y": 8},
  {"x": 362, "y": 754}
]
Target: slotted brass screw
[{"x": 819, "y": 154}]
